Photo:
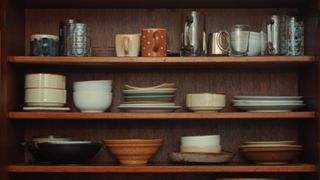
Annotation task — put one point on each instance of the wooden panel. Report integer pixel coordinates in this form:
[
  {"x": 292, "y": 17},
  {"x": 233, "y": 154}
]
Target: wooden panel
[
  {"x": 161, "y": 116},
  {"x": 161, "y": 3},
  {"x": 106, "y": 23},
  {"x": 156, "y": 176},
  {"x": 162, "y": 169},
  {"x": 167, "y": 62}
]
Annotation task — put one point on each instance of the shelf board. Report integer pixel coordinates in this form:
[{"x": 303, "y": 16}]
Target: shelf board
[
  {"x": 160, "y": 116},
  {"x": 158, "y": 62},
  {"x": 160, "y": 4},
  {"x": 301, "y": 168}
]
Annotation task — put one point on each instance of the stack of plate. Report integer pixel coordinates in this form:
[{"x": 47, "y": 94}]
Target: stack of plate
[
  {"x": 149, "y": 99},
  {"x": 271, "y": 152},
  {"x": 268, "y": 103}
]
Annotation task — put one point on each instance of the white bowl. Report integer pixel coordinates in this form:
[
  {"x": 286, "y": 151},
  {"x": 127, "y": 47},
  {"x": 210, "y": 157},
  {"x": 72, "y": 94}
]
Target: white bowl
[
  {"x": 206, "y": 100},
  {"x": 201, "y": 149},
  {"x": 96, "y": 85},
  {"x": 45, "y": 97},
  {"x": 45, "y": 80},
  {"x": 254, "y": 44},
  {"x": 208, "y": 140},
  {"x": 92, "y": 101}
]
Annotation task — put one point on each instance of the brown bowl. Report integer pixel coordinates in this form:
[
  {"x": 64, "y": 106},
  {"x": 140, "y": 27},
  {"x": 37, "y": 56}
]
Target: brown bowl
[
  {"x": 271, "y": 155},
  {"x": 133, "y": 152}
]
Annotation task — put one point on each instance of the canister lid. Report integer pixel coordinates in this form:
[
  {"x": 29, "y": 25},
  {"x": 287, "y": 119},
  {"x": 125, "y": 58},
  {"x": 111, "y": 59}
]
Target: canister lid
[
  {"x": 40, "y": 36},
  {"x": 68, "y": 21}
]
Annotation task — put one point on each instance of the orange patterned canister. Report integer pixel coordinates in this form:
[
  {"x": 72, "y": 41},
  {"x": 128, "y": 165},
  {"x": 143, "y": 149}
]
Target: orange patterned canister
[{"x": 154, "y": 42}]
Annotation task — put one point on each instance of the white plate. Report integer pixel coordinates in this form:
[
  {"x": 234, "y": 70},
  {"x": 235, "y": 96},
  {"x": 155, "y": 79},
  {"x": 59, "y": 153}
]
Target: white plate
[
  {"x": 149, "y": 108},
  {"x": 270, "y": 142},
  {"x": 26, "y": 108},
  {"x": 161, "y": 91},
  {"x": 254, "y": 102},
  {"x": 268, "y": 108},
  {"x": 270, "y": 145},
  {"x": 202, "y": 158},
  {"x": 268, "y": 97},
  {"x": 162, "y": 98},
  {"x": 147, "y": 104},
  {"x": 205, "y": 109},
  {"x": 267, "y": 104}
]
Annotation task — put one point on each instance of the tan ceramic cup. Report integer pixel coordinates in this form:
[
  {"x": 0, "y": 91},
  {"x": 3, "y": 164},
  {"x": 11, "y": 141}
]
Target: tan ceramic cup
[
  {"x": 127, "y": 45},
  {"x": 154, "y": 42}
]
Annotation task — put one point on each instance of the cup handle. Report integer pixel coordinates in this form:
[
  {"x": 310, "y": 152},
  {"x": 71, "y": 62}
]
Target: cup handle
[
  {"x": 126, "y": 45},
  {"x": 156, "y": 37}
]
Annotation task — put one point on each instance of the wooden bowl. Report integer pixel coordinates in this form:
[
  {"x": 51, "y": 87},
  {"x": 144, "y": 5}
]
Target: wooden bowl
[
  {"x": 133, "y": 141},
  {"x": 133, "y": 152},
  {"x": 271, "y": 155}
]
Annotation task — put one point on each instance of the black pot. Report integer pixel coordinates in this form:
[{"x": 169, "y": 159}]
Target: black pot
[
  {"x": 63, "y": 153},
  {"x": 34, "y": 151}
]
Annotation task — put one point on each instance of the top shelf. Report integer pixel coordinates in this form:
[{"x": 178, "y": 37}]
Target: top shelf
[
  {"x": 166, "y": 62},
  {"x": 160, "y": 3}
]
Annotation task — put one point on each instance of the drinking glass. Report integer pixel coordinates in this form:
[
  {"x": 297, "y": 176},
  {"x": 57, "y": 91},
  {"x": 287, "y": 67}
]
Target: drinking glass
[{"x": 240, "y": 39}]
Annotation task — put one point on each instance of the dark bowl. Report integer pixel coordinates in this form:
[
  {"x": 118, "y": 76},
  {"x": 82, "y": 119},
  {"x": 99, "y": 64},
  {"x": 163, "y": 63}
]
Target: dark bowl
[
  {"x": 34, "y": 151},
  {"x": 56, "y": 153}
]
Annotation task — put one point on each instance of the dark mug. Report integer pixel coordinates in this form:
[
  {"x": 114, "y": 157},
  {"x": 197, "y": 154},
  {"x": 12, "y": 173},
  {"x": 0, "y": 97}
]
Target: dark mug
[{"x": 44, "y": 45}]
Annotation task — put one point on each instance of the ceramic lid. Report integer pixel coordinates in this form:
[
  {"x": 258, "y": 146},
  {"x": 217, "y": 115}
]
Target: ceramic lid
[{"x": 40, "y": 36}]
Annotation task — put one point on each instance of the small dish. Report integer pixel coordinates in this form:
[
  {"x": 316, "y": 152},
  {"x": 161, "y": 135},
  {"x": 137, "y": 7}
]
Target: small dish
[
  {"x": 46, "y": 109},
  {"x": 278, "y": 98},
  {"x": 201, "y": 158},
  {"x": 162, "y": 91},
  {"x": 270, "y": 142},
  {"x": 271, "y": 155},
  {"x": 143, "y": 108},
  {"x": 159, "y": 98},
  {"x": 164, "y": 85}
]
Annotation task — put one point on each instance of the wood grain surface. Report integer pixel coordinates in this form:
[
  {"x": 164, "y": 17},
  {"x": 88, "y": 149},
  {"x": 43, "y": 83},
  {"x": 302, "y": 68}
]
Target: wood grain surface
[
  {"x": 163, "y": 169},
  {"x": 182, "y": 116},
  {"x": 104, "y": 24}
]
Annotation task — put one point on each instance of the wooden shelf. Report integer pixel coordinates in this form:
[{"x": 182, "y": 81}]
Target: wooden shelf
[
  {"x": 158, "y": 62},
  {"x": 160, "y": 4},
  {"x": 301, "y": 168},
  {"x": 160, "y": 116}
]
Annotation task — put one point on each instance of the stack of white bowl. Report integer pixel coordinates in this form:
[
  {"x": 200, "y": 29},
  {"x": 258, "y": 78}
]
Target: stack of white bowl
[
  {"x": 205, "y": 102},
  {"x": 92, "y": 96},
  {"x": 201, "y": 144},
  {"x": 45, "y": 91}
]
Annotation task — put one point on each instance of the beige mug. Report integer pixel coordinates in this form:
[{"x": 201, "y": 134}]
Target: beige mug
[{"x": 128, "y": 45}]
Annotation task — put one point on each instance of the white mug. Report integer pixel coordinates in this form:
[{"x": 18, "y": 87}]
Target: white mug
[{"x": 128, "y": 45}]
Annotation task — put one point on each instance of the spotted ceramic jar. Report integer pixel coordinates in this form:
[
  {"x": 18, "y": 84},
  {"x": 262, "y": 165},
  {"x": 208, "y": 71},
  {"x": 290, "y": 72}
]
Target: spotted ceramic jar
[
  {"x": 154, "y": 42},
  {"x": 295, "y": 37}
]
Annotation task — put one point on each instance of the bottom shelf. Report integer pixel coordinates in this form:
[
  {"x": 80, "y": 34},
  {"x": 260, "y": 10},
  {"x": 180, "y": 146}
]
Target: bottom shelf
[{"x": 230, "y": 168}]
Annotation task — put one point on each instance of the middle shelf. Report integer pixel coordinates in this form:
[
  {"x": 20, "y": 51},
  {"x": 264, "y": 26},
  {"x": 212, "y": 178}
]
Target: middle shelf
[
  {"x": 233, "y": 168},
  {"x": 161, "y": 116}
]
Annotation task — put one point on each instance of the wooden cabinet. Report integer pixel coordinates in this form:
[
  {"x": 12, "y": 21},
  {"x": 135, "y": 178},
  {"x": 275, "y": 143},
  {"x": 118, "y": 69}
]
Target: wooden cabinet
[{"x": 264, "y": 75}]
